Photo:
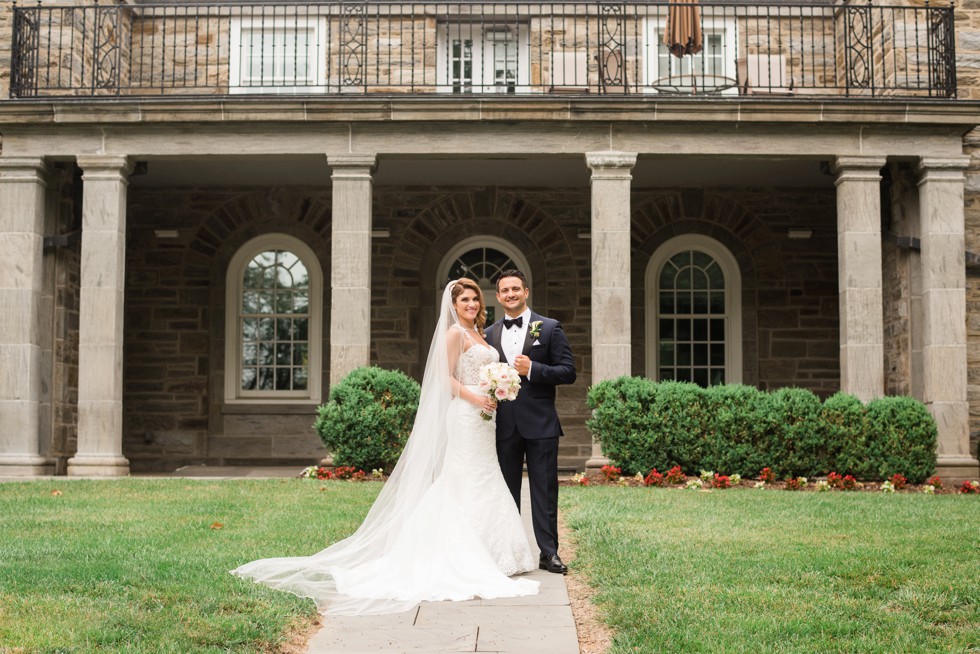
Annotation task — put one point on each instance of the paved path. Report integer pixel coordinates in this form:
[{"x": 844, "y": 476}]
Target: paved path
[{"x": 539, "y": 624}]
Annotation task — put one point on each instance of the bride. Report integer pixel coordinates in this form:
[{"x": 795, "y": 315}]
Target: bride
[{"x": 444, "y": 527}]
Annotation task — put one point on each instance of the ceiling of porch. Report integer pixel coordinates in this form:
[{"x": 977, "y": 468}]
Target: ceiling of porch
[{"x": 571, "y": 171}]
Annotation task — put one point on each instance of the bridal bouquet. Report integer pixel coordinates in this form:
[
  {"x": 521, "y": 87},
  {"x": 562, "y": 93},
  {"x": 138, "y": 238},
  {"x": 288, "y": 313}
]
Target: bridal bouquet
[{"x": 500, "y": 382}]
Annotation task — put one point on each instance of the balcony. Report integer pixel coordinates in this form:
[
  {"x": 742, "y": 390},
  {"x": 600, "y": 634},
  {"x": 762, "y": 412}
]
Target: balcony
[{"x": 731, "y": 49}]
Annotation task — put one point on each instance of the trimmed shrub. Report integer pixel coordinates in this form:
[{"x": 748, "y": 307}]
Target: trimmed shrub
[
  {"x": 368, "y": 418},
  {"x": 901, "y": 439},
  {"x": 798, "y": 440},
  {"x": 846, "y": 422},
  {"x": 643, "y": 425},
  {"x": 736, "y": 437}
]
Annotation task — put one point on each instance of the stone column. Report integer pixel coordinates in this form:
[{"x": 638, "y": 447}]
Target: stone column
[
  {"x": 610, "y": 271},
  {"x": 942, "y": 220},
  {"x": 862, "y": 364},
  {"x": 22, "y": 192},
  {"x": 350, "y": 264},
  {"x": 100, "y": 332}
]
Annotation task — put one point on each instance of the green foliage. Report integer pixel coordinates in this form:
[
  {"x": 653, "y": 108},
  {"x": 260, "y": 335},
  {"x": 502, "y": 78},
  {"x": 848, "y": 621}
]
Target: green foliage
[
  {"x": 798, "y": 447},
  {"x": 901, "y": 439},
  {"x": 846, "y": 422},
  {"x": 738, "y": 433},
  {"x": 731, "y": 429},
  {"x": 368, "y": 418}
]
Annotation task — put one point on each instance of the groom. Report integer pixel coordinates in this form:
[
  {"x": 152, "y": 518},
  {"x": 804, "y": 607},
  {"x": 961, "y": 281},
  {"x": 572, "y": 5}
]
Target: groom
[{"x": 528, "y": 426}]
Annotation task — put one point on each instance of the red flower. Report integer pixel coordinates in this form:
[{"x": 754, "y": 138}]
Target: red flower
[
  {"x": 611, "y": 472},
  {"x": 654, "y": 478},
  {"x": 970, "y": 487},
  {"x": 898, "y": 481},
  {"x": 935, "y": 482},
  {"x": 767, "y": 476},
  {"x": 721, "y": 481},
  {"x": 675, "y": 476}
]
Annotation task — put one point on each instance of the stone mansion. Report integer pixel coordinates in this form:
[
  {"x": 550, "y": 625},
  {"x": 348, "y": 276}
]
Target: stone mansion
[{"x": 211, "y": 211}]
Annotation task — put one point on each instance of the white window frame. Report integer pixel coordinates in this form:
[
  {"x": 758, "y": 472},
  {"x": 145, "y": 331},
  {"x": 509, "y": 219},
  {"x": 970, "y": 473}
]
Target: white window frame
[
  {"x": 482, "y": 55},
  {"x": 726, "y": 81},
  {"x": 733, "y": 301},
  {"x": 316, "y": 79},
  {"x": 233, "y": 334},
  {"x": 483, "y": 241}
]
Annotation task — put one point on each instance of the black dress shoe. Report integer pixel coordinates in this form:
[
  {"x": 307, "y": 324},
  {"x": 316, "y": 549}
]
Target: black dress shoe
[{"x": 552, "y": 563}]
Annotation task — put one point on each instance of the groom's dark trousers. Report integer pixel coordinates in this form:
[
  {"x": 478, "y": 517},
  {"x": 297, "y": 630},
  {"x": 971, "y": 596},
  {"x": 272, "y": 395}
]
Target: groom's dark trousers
[{"x": 528, "y": 427}]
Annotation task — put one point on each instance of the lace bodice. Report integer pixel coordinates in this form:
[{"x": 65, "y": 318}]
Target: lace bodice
[{"x": 469, "y": 363}]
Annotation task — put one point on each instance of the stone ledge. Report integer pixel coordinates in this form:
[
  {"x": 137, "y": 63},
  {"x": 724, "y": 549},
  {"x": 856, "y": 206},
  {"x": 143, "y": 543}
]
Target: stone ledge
[{"x": 961, "y": 113}]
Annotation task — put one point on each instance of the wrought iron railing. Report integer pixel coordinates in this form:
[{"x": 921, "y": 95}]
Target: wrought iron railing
[{"x": 508, "y": 47}]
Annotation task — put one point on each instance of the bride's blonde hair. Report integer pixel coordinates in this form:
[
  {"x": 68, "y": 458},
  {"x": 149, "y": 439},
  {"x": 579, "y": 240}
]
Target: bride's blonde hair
[{"x": 464, "y": 283}]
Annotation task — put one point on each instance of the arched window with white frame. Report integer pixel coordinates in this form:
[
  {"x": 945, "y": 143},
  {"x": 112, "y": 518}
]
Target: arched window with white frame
[
  {"x": 273, "y": 325},
  {"x": 693, "y": 311},
  {"x": 482, "y": 259}
]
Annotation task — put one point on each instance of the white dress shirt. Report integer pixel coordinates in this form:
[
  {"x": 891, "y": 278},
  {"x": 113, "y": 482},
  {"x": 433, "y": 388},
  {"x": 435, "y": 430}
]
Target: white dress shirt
[{"x": 512, "y": 340}]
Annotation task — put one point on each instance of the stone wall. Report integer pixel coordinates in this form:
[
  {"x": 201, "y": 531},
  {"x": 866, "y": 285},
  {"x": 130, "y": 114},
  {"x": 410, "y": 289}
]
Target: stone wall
[{"x": 175, "y": 412}]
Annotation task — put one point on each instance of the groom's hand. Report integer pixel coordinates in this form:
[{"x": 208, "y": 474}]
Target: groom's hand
[{"x": 522, "y": 364}]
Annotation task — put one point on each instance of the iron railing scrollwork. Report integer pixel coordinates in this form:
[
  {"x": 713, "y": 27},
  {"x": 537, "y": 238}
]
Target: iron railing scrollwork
[
  {"x": 353, "y": 44},
  {"x": 612, "y": 47},
  {"x": 859, "y": 48},
  {"x": 24, "y": 52},
  {"x": 106, "y": 50},
  {"x": 942, "y": 52},
  {"x": 610, "y": 55}
]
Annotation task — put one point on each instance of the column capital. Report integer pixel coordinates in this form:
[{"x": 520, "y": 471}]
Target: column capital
[
  {"x": 858, "y": 168},
  {"x": 610, "y": 164},
  {"x": 351, "y": 162},
  {"x": 104, "y": 165},
  {"x": 947, "y": 169},
  {"x": 21, "y": 163}
]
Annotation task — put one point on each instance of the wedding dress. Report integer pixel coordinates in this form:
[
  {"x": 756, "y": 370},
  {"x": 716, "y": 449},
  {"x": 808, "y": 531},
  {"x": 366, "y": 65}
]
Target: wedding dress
[{"x": 444, "y": 527}]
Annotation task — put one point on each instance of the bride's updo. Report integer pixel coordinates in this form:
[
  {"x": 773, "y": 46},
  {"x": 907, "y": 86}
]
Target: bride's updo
[{"x": 464, "y": 283}]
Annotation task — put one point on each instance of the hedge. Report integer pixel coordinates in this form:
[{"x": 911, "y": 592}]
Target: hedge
[
  {"x": 643, "y": 425},
  {"x": 368, "y": 418}
]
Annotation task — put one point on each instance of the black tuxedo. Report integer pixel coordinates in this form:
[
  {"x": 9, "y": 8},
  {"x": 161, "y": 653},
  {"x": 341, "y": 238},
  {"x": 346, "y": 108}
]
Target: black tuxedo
[{"x": 528, "y": 427}]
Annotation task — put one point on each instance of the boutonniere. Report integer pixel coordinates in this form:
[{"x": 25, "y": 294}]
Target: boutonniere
[{"x": 534, "y": 329}]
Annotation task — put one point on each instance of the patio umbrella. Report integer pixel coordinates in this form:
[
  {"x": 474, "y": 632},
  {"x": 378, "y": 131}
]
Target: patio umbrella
[{"x": 683, "y": 33}]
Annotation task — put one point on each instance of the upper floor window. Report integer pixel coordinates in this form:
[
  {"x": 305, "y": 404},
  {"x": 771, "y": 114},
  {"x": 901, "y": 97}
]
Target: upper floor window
[
  {"x": 273, "y": 327},
  {"x": 477, "y": 58},
  {"x": 710, "y": 71},
  {"x": 277, "y": 55}
]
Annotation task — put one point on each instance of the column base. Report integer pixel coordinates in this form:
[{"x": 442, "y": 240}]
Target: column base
[
  {"x": 98, "y": 466},
  {"x": 25, "y": 466},
  {"x": 595, "y": 463},
  {"x": 955, "y": 469}
]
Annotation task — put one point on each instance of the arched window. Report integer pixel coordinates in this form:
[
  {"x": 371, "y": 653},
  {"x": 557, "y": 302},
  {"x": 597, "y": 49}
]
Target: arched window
[
  {"x": 694, "y": 313},
  {"x": 482, "y": 259},
  {"x": 273, "y": 345}
]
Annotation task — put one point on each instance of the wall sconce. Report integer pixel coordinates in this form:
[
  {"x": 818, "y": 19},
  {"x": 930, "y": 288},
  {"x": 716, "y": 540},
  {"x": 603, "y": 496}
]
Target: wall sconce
[
  {"x": 585, "y": 234},
  {"x": 381, "y": 233},
  {"x": 166, "y": 233},
  {"x": 800, "y": 234}
]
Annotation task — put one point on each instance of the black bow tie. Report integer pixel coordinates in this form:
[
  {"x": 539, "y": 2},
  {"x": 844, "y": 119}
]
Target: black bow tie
[{"x": 516, "y": 322}]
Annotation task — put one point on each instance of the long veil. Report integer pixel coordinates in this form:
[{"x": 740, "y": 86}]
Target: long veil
[{"x": 418, "y": 467}]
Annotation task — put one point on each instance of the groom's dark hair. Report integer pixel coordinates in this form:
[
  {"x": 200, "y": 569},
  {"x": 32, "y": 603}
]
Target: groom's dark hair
[{"x": 513, "y": 272}]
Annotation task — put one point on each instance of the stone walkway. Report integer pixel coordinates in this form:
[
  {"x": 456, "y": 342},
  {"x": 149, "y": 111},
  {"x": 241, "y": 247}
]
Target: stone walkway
[{"x": 541, "y": 623}]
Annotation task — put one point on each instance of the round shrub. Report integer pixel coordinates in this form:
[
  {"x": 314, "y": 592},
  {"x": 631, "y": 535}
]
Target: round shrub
[
  {"x": 846, "y": 423},
  {"x": 368, "y": 418},
  {"x": 901, "y": 438}
]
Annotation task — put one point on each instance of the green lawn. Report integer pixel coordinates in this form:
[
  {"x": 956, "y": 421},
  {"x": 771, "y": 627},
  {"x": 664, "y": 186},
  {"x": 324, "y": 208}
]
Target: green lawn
[
  {"x": 135, "y": 566},
  {"x": 775, "y": 571}
]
